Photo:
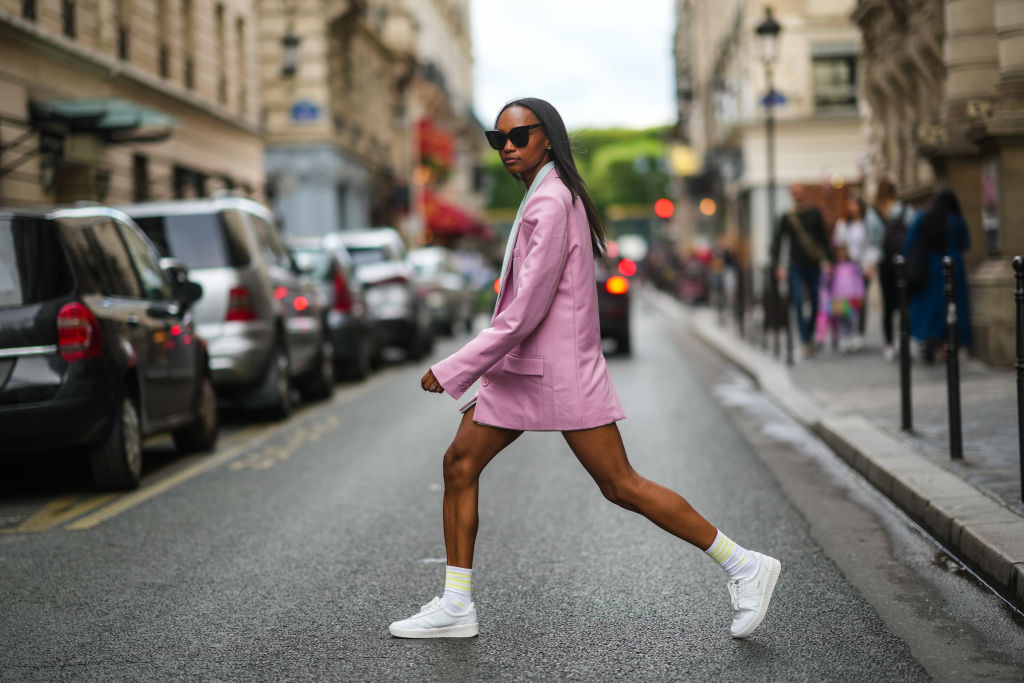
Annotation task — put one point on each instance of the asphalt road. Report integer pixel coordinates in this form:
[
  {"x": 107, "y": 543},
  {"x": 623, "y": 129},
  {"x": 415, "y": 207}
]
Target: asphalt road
[{"x": 285, "y": 554}]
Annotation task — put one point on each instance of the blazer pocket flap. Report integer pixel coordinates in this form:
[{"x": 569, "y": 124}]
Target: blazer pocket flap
[{"x": 524, "y": 365}]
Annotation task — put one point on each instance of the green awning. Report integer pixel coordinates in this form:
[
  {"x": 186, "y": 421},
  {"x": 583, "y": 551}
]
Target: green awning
[{"x": 115, "y": 118}]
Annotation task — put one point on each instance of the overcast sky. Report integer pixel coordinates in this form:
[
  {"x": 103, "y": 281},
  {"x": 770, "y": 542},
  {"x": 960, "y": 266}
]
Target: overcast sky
[{"x": 601, "y": 63}]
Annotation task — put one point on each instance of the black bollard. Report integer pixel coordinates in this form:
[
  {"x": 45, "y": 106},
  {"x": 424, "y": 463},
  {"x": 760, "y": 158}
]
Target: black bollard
[
  {"x": 956, "y": 446},
  {"x": 1018, "y": 297},
  {"x": 906, "y": 411}
]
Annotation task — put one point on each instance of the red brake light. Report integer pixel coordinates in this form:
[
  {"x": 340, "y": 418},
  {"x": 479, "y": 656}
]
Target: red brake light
[
  {"x": 627, "y": 267},
  {"x": 240, "y": 305},
  {"x": 78, "y": 333},
  {"x": 280, "y": 292},
  {"x": 301, "y": 303},
  {"x": 617, "y": 284},
  {"x": 497, "y": 285},
  {"x": 342, "y": 296}
]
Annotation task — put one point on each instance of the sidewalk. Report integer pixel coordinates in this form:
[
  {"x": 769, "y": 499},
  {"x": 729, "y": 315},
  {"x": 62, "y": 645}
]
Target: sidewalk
[{"x": 852, "y": 401}]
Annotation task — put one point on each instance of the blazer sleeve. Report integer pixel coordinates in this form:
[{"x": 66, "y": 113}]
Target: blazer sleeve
[{"x": 545, "y": 221}]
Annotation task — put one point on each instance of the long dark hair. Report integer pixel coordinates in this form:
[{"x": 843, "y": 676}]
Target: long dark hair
[
  {"x": 935, "y": 220},
  {"x": 561, "y": 154}
]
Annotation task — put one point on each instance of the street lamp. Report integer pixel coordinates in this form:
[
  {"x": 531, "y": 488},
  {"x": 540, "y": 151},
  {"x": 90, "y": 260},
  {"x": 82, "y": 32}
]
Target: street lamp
[{"x": 767, "y": 33}]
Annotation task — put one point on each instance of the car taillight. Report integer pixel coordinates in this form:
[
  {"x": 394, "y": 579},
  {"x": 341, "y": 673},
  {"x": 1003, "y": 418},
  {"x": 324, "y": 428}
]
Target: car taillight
[
  {"x": 78, "y": 333},
  {"x": 240, "y": 305},
  {"x": 617, "y": 285},
  {"x": 342, "y": 296}
]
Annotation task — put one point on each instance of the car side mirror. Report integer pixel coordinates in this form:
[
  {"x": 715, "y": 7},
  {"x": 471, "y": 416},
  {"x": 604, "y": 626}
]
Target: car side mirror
[{"x": 190, "y": 292}]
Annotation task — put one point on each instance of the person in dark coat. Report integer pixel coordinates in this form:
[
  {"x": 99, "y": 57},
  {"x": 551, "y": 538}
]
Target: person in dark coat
[
  {"x": 804, "y": 228},
  {"x": 941, "y": 230}
]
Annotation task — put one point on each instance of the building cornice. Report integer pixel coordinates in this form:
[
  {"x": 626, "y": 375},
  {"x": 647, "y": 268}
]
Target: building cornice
[{"x": 113, "y": 70}]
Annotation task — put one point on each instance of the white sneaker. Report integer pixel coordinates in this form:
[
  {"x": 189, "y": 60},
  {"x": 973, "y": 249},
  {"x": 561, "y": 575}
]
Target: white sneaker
[
  {"x": 889, "y": 353},
  {"x": 750, "y": 597},
  {"x": 434, "y": 621}
]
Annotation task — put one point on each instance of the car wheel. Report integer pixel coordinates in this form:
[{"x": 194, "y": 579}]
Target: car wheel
[
  {"x": 362, "y": 365},
  {"x": 320, "y": 384},
  {"x": 201, "y": 435},
  {"x": 280, "y": 404},
  {"x": 116, "y": 462}
]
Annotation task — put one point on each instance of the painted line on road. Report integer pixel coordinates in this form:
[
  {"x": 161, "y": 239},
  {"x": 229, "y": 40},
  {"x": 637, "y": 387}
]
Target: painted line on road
[
  {"x": 58, "y": 511},
  {"x": 130, "y": 500}
]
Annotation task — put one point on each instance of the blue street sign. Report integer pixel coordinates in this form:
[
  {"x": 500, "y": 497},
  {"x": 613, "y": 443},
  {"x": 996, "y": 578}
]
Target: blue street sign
[{"x": 304, "y": 110}]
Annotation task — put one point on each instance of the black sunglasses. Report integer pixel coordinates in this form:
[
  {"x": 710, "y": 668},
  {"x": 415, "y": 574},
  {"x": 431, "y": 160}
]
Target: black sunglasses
[{"x": 520, "y": 136}]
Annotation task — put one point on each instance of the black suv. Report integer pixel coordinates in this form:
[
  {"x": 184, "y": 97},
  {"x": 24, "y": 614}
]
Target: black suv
[{"x": 97, "y": 346}]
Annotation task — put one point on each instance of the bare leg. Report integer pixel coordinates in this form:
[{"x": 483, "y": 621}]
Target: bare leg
[
  {"x": 473, "y": 447},
  {"x": 602, "y": 454}
]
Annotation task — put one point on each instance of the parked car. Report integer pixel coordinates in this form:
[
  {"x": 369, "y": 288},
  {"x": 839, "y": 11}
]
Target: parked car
[
  {"x": 352, "y": 329},
  {"x": 400, "y": 314},
  {"x": 260, "y": 316},
  {"x": 97, "y": 344},
  {"x": 613, "y": 301},
  {"x": 445, "y": 288}
]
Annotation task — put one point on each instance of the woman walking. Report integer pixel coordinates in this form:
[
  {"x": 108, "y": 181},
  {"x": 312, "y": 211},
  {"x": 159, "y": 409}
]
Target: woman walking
[
  {"x": 541, "y": 368},
  {"x": 939, "y": 230}
]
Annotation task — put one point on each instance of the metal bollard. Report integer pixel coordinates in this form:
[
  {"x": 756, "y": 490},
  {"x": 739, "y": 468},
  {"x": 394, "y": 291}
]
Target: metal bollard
[
  {"x": 956, "y": 446},
  {"x": 906, "y": 411},
  {"x": 1018, "y": 297}
]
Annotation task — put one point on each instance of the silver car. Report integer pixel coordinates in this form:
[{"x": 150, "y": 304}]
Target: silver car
[
  {"x": 447, "y": 289},
  {"x": 398, "y": 309},
  {"x": 260, "y": 316}
]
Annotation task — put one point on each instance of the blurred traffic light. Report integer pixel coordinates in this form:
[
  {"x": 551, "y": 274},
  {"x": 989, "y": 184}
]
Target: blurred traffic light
[{"x": 664, "y": 208}]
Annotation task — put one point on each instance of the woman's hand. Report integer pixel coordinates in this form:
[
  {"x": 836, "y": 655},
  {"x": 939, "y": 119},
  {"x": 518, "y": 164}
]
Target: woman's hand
[{"x": 430, "y": 383}]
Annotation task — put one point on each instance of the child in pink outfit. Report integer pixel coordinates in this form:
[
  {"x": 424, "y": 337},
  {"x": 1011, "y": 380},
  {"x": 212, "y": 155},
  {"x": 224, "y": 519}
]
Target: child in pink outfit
[{"x": 846, "y": 290}]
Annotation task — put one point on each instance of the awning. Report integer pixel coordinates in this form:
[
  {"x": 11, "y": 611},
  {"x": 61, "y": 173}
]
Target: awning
[
  {"x": 116, "y": 119},
  {"x": 444, "y": 218}
]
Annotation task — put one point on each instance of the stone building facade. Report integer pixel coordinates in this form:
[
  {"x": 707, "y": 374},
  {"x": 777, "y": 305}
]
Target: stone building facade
[
  {"x": 721, "y": 84},
  {"x": 127, "y": 100},
  {"x": 945, "y": 83},
  {"x": 349, "y": 87}
]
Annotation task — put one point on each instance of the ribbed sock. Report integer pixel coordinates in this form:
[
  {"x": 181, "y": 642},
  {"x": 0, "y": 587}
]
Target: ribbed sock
[
  {"x": 737, "y": 561},
  {"x": 458, "y": 589}
]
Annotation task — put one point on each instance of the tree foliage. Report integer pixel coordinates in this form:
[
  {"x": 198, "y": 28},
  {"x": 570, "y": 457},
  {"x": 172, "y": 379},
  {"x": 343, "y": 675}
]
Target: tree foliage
[{"x": 620, "y": 166}]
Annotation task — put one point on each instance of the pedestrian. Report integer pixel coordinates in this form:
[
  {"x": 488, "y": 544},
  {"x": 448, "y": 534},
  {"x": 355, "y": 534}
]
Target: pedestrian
[
  {"x": 887, "y": 222},
  {"x": 939, "y": 230},
  {"x": 851, "y": 232},
  {"x": 846, "y": 297},
  {"x": 541, "y": 369},
  {"x": 804, "y": 229}
]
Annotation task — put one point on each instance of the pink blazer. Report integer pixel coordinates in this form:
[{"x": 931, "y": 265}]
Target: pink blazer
[{"x": 540, "y": 363}]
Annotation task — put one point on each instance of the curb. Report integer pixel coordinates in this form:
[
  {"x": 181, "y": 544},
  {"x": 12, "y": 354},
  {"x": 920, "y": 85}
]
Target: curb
[{"x": 977, "y": 529}]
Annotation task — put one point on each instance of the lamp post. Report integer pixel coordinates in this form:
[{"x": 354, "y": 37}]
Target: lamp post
[{"x": 767, "y": 33}]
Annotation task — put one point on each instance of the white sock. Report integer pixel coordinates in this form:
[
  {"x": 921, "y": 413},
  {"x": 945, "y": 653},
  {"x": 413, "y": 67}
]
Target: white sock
[
  {"x": 737, "y": 562},
  {"x": 458, "y": 589}
]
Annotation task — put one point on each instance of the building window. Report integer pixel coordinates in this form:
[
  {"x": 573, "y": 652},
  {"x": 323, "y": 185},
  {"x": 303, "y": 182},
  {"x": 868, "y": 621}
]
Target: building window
[
  {"x": 188, "y": 41},
  {"x": 835, "y": 81},
  {"x": 140, "y": 178},
  {"x": 240, "y": 49},
  {"x": 122, "y": 21},
  {"x": 220, "y": 29},
  {"x": 164, "y": 53},
  {"x": 67, "y": 17},
  {"x": 28, "y": 9},
  {"x": 189, "y": 184}
]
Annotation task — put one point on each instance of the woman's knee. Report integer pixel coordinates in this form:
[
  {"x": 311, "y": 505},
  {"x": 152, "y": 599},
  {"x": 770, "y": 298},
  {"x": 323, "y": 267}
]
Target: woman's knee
[
  {"x": 460, "y": 467},
  {"x": 625, "y": 491}
]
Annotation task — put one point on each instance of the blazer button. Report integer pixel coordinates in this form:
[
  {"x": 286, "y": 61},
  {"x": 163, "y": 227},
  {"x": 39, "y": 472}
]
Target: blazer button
[{"x": 485, "y": 381}]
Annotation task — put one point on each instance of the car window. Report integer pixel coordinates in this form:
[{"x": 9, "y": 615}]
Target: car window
[
  {"x": 363, "y": 255},
  {"x": 199, "y": 240},
  {"x": 155, "y": 284},
  {"x": 33, "y": 266},
  {"x": 118, "y": 273},
  {"x": 318, "y": 259},
  {"x": 270, "y": 243}
]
